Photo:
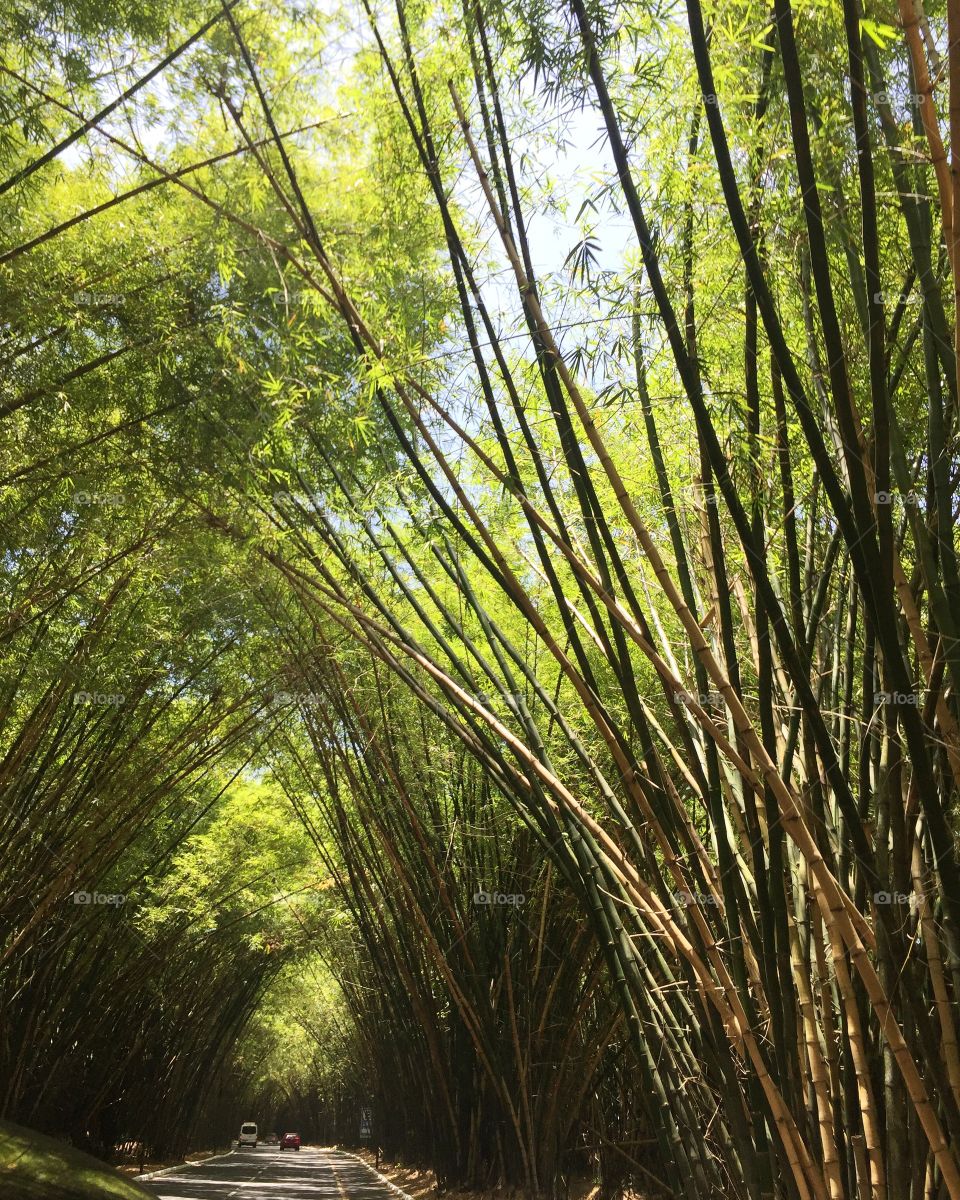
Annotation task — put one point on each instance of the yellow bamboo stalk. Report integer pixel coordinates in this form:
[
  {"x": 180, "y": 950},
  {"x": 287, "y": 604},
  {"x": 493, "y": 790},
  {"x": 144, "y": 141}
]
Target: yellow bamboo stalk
[
  {"x": 837, "y": 907},
  {"x": 910, "y": 11},
  {"x": 719, "y": 991},
  {"x": 938, "y": 983},
  {"x": 858, "y": 1052},
  {"x": 949, "y": 729},
  {"x": 818, "y": 1072},
  {"x": 951, "y": 231}
]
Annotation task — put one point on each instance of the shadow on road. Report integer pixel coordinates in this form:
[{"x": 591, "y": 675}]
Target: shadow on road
[{"x": 271, "y": 1174}]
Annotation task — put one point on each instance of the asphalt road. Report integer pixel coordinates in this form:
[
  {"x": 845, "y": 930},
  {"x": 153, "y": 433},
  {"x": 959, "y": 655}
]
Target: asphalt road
[{"x": 271, "y": 1174}]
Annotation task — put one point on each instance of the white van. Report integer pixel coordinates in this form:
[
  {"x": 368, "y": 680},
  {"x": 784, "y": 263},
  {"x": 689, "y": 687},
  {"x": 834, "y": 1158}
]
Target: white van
[{"x": 248, "y": 1134}]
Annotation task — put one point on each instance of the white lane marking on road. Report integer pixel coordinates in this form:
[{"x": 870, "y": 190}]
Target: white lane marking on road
[
  {"x": 266, "y": 1166},
  {"x": 373, "y": 1170},
  {"x": 180, "y": 1167},
  {"x": 336, "y": 1177},
  {"x": 328, "y": 1161},
  {"x": 226, "y": 1196}
]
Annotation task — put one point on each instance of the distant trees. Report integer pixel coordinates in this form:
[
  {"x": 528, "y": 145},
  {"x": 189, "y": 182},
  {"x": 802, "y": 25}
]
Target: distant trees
[{"x": 477, "y": 992}]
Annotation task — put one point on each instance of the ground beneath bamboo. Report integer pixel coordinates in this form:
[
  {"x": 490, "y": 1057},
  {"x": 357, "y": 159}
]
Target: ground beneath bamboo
[
  {"x": 133, "y": 1169},
  {"x": 422, "y": 1185}
]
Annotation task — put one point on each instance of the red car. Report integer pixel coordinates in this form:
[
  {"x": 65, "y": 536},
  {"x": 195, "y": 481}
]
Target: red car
[{"x": 290, "y": 1139}]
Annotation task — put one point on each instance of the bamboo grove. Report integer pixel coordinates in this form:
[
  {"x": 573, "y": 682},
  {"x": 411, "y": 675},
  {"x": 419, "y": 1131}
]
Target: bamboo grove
[{"x": 543, "y": 664}]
